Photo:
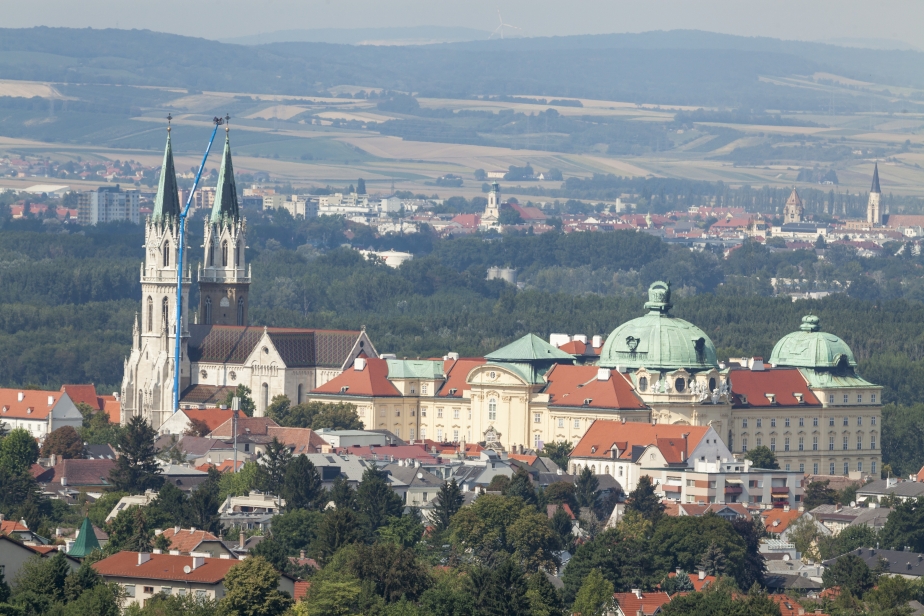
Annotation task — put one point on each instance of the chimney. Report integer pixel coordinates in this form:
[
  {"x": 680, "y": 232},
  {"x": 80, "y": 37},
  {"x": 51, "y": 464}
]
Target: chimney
[
  {"x": 54, "y": 459},
  {"x": 701, "y": 574},
  {"x": 580, "y": 338},
  {"x": 301, "y": 554},
  {"x": 157, "y": 551},
  {"x": 637, "y": 592},
  {"x": 143, "y": 557},
  {"x": 176, "y": 530},
  {"x": 359, "y": 364},
  {"x": 51, "y": 400},
  {"x": 192, "y": 529},
  {"x": 603, "y": 374},
  {"x": 242, "y": 540},
  {"x": 598, "y": 341},
  {"x": 198, "y": 561},
  {"x": 757, "y": 364},
  {"x": 174, "y": 552},
  {"x": 20, "y": 396}
]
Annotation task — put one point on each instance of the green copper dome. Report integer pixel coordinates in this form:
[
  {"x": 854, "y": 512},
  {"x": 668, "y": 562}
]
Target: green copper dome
[
  {"x": 812, "y": 348},
  {"x": 658, "y": 341}
]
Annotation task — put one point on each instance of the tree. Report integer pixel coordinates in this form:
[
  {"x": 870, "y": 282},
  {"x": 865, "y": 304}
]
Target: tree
[
  {"x": 818, "y": 493},
  {"x": 301, "y": 486},
  {"x": 585, "y": 489},
  {"x": 521, "y": 486},
  {"x": 498, "y": 483},
  {"x": 509, "y": 216},
  {"x": 170, "y": 508},
  {"x": 448, "y": 501},
  {"x": 44, "y": 577},
  {"x": 851, "y": 573},
  {"x": 64, "y": 443},
  {"x": 339, "y": 527},
  {"x": 480, "y": 175},
  {"x": 197, "y": 427},
  {"x": 241, "y": 482},
  {"x": 100, "y": 600},
  {"x": 18, "y": 451},
  {"x": 296, "y": 529},
  {"x": 562, "y": 527},
  {"x": 905, "y": 526},
  {"x": 278, "y": 409},
  {"x": 692, "y": 542},
  {"x": 500, "y": 591},
  {"x": 274, "y": 553},
  {"x": 558, "y": 452},
  {"x": 752, "y": 570},
  {"x": 543, "y": 599},
  {"x": 392, "y": 570},
  {"x": 849, "y": 539},
  {"x": 4, "y": 588},
  {"x": 96, "y": 429},
  {"x": 892, "y": 592},
  {"x": 273, "y": 465},
  {"x": 804, "y": 535},
  {"x": 330, "y": 597},
  {"x": 251, "y": 590},
  {"x": 405, "y": 531},
  {"x": 337, "y": 417},
  {"x": 136, "y": 468},
  {"x": 361, "y": 187},
  {"x": 644, "y": 500},
  {"x": 203, "y": 504},
  {"x": 721, "y": 598},
  {"x": 247, "y": 404},
  {"x": 561, "y": 492},
  {"x": 377, "y": 501},
  {"x": 762, "y": 457},
  {"x": 679, "y": 582},
  {"x": 341, "y": 494},
  {"x": 130, "y": 531},
  {"x": 595, "y": 598},
  {"x": 713, "y": 561}
]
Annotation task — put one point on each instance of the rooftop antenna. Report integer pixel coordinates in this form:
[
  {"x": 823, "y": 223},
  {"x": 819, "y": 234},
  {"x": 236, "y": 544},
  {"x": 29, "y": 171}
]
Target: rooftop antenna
[
  {"x": 500, "y": 28},
  {"x": 179, "y": 262}
]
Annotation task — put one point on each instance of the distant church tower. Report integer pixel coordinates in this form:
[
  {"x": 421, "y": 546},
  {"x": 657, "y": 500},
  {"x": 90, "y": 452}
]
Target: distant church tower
[
  {"x": 491, "y": 217},
  {"x": 147, "y": 384},
  {"x": 793, "y": 211},
  {"x": 873, "y": 208},
  {"x": 224, "y": 281}
]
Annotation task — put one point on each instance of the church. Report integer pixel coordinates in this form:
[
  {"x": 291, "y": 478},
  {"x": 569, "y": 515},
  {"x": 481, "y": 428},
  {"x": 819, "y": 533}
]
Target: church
[{"x": 219, "y": 348}]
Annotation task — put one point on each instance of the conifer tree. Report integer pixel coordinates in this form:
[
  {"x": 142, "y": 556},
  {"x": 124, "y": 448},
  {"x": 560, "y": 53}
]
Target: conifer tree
[
  {"x": 377, "y": 501},
  {"x": 301, "y": 484},
  {"x": 448, "y": 501},
  {"x": 136, "y": 468}
]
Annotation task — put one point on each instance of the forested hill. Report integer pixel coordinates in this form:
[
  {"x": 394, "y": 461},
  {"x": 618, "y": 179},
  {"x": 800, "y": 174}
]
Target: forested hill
[{"x": 693, "y": 68}]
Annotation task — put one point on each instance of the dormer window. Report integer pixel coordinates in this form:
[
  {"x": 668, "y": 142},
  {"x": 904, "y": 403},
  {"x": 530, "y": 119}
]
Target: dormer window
[{"x": 344, "y": 389}]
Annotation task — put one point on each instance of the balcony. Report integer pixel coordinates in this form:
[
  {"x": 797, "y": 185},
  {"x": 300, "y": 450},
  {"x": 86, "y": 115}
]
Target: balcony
[
  {"x": 733, "y": 490},
  {"x": 779, "y": 490},
  {"x": 670, "y": 488}
]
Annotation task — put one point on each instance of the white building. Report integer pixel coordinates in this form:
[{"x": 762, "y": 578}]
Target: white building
[
  {"x": 39, "y": 412},
  {"x": 108, "y": 204}
]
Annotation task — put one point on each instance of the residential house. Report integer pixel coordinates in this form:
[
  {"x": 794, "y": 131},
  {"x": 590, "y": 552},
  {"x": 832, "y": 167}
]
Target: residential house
[
  {"x": 903, "y": 563},
  {"x": 252, "y": 511},
  {"x": 416, "y": 486},
  {"x": 898, "y": 489},
  {"x": 132, "y": 500},
  {"x": 836, "y": 517},
  {"x": 728, "y": 511},
  {"x": 39, "y": 412},
  {"x": 69, "y": 478},
  {"x": 638, "y": 603},
  {"x": 86, "y": 394},
  {"x": 19, "y": 530},
  {"x": 779, "y": 522},
  {"x": 14, "y": 554},
  {"x": 201, "y": 542}
]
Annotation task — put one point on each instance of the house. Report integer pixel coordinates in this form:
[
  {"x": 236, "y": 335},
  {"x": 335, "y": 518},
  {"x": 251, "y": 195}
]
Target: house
[
  {"x": 181, "y": 421},
  {"x": 638, "y": 603},
  {"x": 332, "y": 466},
  {"x": 14, "y": 554},
  {"x": 789, "y": 606},
  {"x": 728, "y": 511},
  {"x": 251, "y": 511},
  {"x": 779, "y": 522},
  {"x": 876, "y": 491},
  {"x": 143, "y": 575},
  {"x": 186, "y": 541},
  {"x": 69, "y": 478},
  {"x": 414, "y": 484},
  {"x": 86, "y": 394},
  {"x": 134, "y": 500},
  {"x": 39, "y": 412},
  {"x": 699, "y": 580},
  {"x": 903, "y": 563},
  {"x": 19, "y": 530},
  {"x": 836, "y": 517},
  {"x": 390, "y": 453}
]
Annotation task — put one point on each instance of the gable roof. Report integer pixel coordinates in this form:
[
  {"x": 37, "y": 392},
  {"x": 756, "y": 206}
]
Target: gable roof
[
  {"x": 389, "y": 453},
  {"x": 258, "y": 426},
  {"x": 85, "y": 394},
  {"x": 211, "y": 417},
  {"x": 698, "y": 584},
  {"x": 187, "y": 540},
  {"x": 457, "y": 376},
  {"x": 371, "y": 380},
  {"x": 297, "y": 347},
  {"x": 528, "y": 348},
  {"x": 301, "y": 440},
  {"x": 777, "y": 520},
  {"x": 673, "y": 440},
  {"x": 783, "y": 383},
  {"x": 648, "y": 603},
  {"x": 12, "y": 526},
  {"x": 167, "y": 567},
  {"x": 34, "y": 404},
  {"x": 570, "y": 386},
  {"x": 78, "y": 472}
]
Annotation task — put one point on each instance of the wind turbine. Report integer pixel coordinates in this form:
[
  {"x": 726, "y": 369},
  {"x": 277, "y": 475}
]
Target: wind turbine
[{"x": 501, "y": 26}]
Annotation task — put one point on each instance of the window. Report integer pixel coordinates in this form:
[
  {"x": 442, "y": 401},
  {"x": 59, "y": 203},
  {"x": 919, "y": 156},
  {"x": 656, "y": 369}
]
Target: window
[
  {"x": 397, "y": 411},
  {"x": 423, "y": 412},
  {"x": 207, "y": 316},
  {"x": 455, "y": 413},
  {"x": 773, "y": 422},
  {"x": 411, "y": 433},
  {"x": 492, "y": 409},
  {"x": 846, "y": 446},
  {"x": 224, "y": 253},
  {"x": 859, "y": 441},
  {"x": 860, "y": 466},
  {"x": 181, "y": 592},
  {"x": 202, "y": 594},
  {"x": 872, "y": 467},
  {"x": 423, "y": 433},
  {"x": 744, "y": 422},
  {"x": 786, "y": 444},
  {"x": 831, "y": 468},
  {"x": 165, "y": 312},
  {"x": 846, "y": 468},
  {"x": 577, "y": 424},
  {"x": 167, "y": 254},
  {"x": 830, "y": 443},
  {"x": 469, "y": 412},
  {"x": 815, "y": 421},
  {"x": 787, "y": 422},
  {"x": 537, "y": 417},
  {"x": 423, "y": 389},
  {"x": 787, "y": 467},
  {"x": 830, "y": 421},
  {"x": 129, "y": 590},
  {"x": 643, "y": 383},
  {"x": 439, "y": 435},
  {"x": 772, "y": 443},
  {"x": 814, "y": 443},
  {"x": 830, "y": 398},
  {"x": 240, "y": 311},
  {"x": 801, "y": 421},
  {"x": 759, "y": 440},
  {"x": 846, "y": 398},
  {"x": 150, "y": 314},
  {"x": 298, "y": 394},
  {"x": 801, "y": 443},
  {"x": 801, "y": 468},
  {"x": 872, "y": 441},
  {"x": 760, "y": 422},
  {"x": 455, "y": 436},
  {"x": 167, "y": 590},
  {"x": 537, "y": 440},
  {"x": 744, "y": 443},
  {"x": 561, "y": 422},
  {"x": 872, "y": 398},
  {"x": 846, "y": 421},
  {"x": 815, "y": 468},
  {"x": 691, "y": 483},
  {"x": 439, "y": 413},
  {"x": 620, "y": 471},
  {"x": 872, "y": 420}
]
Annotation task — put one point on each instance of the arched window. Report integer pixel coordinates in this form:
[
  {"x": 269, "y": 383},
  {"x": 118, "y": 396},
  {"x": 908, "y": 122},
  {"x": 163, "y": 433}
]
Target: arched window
[
  {"x": 240, "y": 311},
  {"x": 265, "y": 396},
  {"x": 211, "y": 253},
  {"x": 492, "y": 409},
  {"x": 167, "y": 253},
  {"x": 224, "y": 253},
  {"x": 208, "y": 311},
  {"x": 150, "y": 313},
  {"x": 165, "y": 311}
]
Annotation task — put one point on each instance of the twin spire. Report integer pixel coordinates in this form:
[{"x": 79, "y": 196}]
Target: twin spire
[
  {"x": 167, "y": 204},
  {"x": 875, "y": 188}
]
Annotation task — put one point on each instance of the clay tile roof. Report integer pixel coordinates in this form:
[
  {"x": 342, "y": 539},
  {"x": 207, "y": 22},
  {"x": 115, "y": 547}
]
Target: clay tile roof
[
  {"x": 552, "y": 508},
  {"x": 783, "y": 383},
  {"x": 630, "y": 604},
  {"x": 602, "y": 434},
  {"x": 85, "y": 394},
  {"x": 789, "y": 606},
  {"x": 456, "y": 376},
  {"x": 164, "y": 567},
  {"x": 255, "y": 426},
  {"x": 34, "y": 404},
  {"x": 397, "y": 452},
  {"x": 575, "y": 347},
  {"x": 777, "y": 521},
  {"x": 570, "y": 386},
  {"x": 372, "y": 380},
  {"x": 211, "y": 417},
  {"x": 698, "y": 584},
  {"x": 11, "y": 526},
  {"x": 301, "y": 589},
  {"x": 79, "y": 472},
  {"x": 302, "y": 440},
  {"x": 187, "y": 540},
  {"x": 112, "y": 408}
]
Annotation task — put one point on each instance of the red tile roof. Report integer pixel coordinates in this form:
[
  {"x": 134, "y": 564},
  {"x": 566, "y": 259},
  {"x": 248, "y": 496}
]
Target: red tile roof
[
  {"x": 78, "y": 472},
  {"x": 371, "y": 381},
  {"x": 456, "y": 371},
  {"x": 302, "y": 440},
  {"x": 224, "y": 467},
  {"x": 603, "y": 434},
  {"x": 698, "y": 584},
  {"x": 11, "y": 526},
  {"x": 211, "y": 417},
  {"x": 112, "y": 408},
  {"x": 777, "y": 521},
  {"x": 34, "y": 403},
  {"x": 783, "y": 383},
  {"x": 164, "y": 567},
  {"x": 301, "y": 589},
  {"x": 397, "y": 452},
  {"x": 576, "y": 347},
  {"x": 470, "y": 221},
  {"x": 257, "y": 426},
  {"x": 573, "y": 385},
  {"x": 630, "y": 604},
  {"x": 552, "y": 508},
  {"x": 85, "y": 394},
  {"x": 789, "y": 606},
  {"x": 187, "y": 540}
]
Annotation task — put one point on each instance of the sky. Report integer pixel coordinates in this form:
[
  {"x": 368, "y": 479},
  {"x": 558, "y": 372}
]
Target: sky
[{"x": 813, "y": 20}]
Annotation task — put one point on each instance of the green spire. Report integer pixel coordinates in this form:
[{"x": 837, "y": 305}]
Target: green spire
[
  {"x": 167, "y": 203},
  {"x": 86, "y": 541},
  {"x": 225, "y": 205}
]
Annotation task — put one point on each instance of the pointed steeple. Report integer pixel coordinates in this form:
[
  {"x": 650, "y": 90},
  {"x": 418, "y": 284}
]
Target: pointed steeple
[
  {"x": 225, "y": 205},
  {"x": 86, "y": 541},
  {"x": 167, "y": 202},
  {"x": 794, "y": 198},
  {"x": 875, "y": 187}
]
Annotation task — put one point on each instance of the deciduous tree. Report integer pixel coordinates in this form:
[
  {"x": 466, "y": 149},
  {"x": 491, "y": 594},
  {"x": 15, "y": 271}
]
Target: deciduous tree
[
  {"x": 595, "y": 598},
  {"x": 18, "y": 451},
  {"x": 64, "y": 443},
  {"x": 251, "y": 589}
]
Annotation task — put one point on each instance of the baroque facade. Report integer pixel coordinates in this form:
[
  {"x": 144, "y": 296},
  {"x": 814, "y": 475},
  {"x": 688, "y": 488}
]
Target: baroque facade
[
  {"x": 219, "y": 349},
  {"x": 808, "y": 405}
]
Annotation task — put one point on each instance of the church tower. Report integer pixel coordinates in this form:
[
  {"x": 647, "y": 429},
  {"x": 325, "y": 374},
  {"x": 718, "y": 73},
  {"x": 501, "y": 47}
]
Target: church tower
[
  {"x": 147, "y": 385},
  {"x": 491, "y": 217},
  {"x": 873, "y": 211},
  {"x": 224, "y": 280},
  {"x": 793, "y": 211}
]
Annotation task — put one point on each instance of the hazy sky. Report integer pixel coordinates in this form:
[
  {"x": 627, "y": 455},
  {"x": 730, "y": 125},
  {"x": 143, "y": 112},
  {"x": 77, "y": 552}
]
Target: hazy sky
[{"x": 789, "y": 19}]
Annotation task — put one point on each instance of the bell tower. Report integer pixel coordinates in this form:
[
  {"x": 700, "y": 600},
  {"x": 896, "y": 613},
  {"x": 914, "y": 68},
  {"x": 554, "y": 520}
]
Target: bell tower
[
  {"x": 224, "y": 279},
  {"x": 873, "y": 209}
]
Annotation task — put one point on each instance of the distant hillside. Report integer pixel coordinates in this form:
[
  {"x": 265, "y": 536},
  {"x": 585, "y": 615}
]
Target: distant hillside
[
  {"x": 416, "y": 35},
  {"x": 669, "y": 68}
]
